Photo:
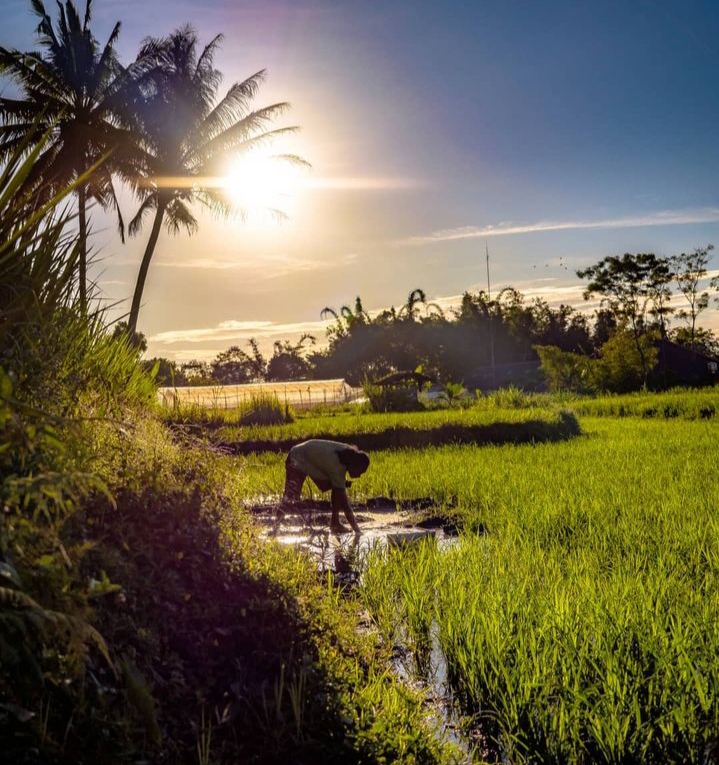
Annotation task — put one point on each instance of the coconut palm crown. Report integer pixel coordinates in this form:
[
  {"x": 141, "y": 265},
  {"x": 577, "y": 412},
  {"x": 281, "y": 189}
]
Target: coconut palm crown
[{"x": 187, "y": 136}]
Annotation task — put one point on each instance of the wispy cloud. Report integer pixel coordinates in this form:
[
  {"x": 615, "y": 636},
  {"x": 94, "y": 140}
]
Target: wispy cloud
[
  {"x": 263, "y": 266},
  {"x": 237, "y": 331},
  {"x": 268, "y": 266},
  {"x": 509, "y": 228}
]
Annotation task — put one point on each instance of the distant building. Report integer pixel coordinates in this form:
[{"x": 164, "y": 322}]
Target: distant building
[
  {"x": 679, "y": 365},
  {"x": 520, "y": 374}
]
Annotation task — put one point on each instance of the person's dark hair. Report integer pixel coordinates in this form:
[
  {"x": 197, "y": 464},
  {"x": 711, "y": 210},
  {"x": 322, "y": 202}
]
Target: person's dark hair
[{"x": 354, "y": 459}]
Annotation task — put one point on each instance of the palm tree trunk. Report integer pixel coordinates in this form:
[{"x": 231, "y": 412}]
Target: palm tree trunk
[
  {"x": 82, "y": 265},
  {"x": 144, "y": 267}
]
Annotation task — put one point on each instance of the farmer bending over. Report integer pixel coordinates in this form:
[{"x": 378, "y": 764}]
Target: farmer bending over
[{"x": 326, "y": 463}]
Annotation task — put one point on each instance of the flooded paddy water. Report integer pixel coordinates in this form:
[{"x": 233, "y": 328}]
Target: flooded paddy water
[{"x": 385, "y": 522}]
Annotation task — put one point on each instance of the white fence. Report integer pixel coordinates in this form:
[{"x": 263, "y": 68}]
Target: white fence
[{"x": 301, "y": 394}]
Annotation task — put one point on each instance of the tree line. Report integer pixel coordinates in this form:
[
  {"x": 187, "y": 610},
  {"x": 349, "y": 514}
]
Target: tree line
[{"x": 635, "y": 311}]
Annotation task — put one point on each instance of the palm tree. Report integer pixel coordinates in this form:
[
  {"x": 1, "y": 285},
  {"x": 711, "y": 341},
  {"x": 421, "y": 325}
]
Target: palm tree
[
  {"x": 187, "y": 135},
  {"x": 346, "y": 319},
  {"x": 71, "y": 86}
]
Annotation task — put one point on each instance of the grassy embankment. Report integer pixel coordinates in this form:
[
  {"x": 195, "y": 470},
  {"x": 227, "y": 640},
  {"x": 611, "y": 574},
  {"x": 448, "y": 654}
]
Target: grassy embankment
[{"x": 213, "y": 646}]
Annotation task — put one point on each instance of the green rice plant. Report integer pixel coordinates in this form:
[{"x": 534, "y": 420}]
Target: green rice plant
[
  {"x": 582, "y": 627},
  {"x": 510, "y": 397},
  {"x": 679, "y": 402}
]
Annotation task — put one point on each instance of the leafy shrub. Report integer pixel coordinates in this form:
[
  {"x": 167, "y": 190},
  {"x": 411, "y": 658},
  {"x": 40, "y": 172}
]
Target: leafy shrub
[
  {"x": 564, "y": 370},
  {"x": 621, "y": 368}
]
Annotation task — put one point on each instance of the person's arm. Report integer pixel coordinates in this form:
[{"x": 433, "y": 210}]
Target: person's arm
[{"x": 340, "y": 501}]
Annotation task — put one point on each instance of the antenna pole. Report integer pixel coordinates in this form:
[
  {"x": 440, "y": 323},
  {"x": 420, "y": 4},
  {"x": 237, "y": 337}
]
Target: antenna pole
[
  {"x": 489, "y": 291},
  {"x": 491, "y": 321}
]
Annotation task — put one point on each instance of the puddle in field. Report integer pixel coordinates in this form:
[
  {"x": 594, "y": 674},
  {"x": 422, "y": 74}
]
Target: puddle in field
[
  {"x": 383, "y": 521},
  {"x": 432, "y": 679}
]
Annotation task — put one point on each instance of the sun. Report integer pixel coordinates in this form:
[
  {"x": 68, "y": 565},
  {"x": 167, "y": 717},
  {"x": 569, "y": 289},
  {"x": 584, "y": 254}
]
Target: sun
[{"x": 262, "y": 185}]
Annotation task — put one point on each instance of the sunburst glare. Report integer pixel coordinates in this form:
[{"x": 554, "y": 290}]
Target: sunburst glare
[{"x": 261, "y": 185}]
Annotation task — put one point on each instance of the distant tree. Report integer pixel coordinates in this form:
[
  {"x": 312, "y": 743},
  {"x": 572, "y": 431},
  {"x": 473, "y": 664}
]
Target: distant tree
[
  {"x": 187, "y": 135},
  {"x": 346, "y": 319},
  {"x": 631, "y": 285},
  {"x": 622, "y": 365},
  {"x": 196, "y": 372},
  {"x": 73, "y": 87},
  {"x": 258, "y": 363},
  {"x": 618, "y": 369},
  {"x": 236, "y": 367},
  {"x": 605, "y": 325},
  {"x": 690, "y": 270},
  {"x": 701, "y": 340},
  {"x": 288, "y": 362},
  {"x": 565, "y": 370},
  {"x": 232, "y": 367},
  {"x": 562, "y": 327},
  {"x": 410, "y": 310}
]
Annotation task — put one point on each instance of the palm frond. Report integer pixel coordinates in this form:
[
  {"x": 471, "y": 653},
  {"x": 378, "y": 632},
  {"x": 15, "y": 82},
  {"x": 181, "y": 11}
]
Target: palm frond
[
  {"x": 203, "y": 68},
  {"x": 179, "y": 217},
  {"x": 232, "y": 107},
  {"x": 149, "y": 203},
  {"x": 31, "y": 73},
  {"x": 239, "y": 139},
  {"x": 218, "y": 203},
  {"x": 88, "y": 15},
  {"x": 108, "y": 57},
  {"x": 292, "y": 159}
]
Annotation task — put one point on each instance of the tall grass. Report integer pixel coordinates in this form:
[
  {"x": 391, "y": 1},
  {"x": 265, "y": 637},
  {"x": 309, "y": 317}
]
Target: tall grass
[{"x": 59, "y": 369}]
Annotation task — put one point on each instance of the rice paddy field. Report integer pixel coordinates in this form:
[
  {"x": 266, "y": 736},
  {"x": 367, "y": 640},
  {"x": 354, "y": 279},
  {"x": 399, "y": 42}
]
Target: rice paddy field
[{"x": 576, "y": 619}]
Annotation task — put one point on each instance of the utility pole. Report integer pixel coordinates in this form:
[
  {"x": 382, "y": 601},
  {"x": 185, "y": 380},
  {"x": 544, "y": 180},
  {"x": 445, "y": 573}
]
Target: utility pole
[
  {"x": 491, "y": 319},
  {"x": 489, "y": 291}
]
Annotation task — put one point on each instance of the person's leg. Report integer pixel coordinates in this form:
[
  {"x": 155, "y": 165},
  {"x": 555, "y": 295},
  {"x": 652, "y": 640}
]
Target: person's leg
[{"x": 294, "y": 480}]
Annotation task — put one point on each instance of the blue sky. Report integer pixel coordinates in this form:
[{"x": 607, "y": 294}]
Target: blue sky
[{"x": 568, "y": 129}]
